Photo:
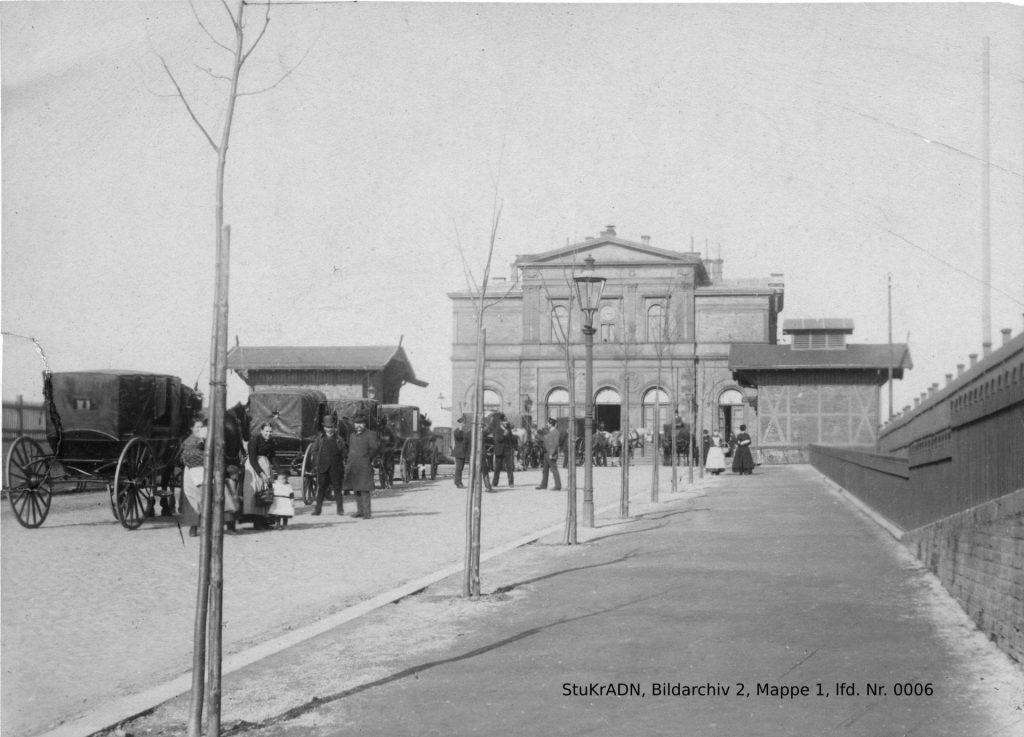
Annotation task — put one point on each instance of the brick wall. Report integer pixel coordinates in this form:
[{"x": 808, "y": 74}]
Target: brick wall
[{"x": 978, "y": 554}]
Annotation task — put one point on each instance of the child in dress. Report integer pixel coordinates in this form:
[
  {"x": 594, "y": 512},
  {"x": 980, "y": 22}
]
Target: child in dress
[{"x": 282, "y": 507}]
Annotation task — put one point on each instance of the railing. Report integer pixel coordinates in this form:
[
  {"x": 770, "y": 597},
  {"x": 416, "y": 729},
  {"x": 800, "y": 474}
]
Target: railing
[{"x": 960, "y": 448}]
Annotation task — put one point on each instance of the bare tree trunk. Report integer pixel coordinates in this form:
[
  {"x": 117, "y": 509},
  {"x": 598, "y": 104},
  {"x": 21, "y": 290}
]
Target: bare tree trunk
[
  {"x": 471, "y": 578},
  {"x": 624, "y": 451},
  {"x": 219, "y": 407}
]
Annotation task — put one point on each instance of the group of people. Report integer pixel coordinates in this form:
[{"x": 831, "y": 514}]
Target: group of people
[
  {"x": 499, "y": 449},
  {"x": 260, "y": 489},
  {"x": 714, "y": 449}
]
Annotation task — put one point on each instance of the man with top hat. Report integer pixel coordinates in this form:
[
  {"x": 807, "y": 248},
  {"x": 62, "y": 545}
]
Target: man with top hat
[
  {"x": 328, "y": 455},
  {"x": 363, "y": 446},
  {"x": 460, "y": 449},
  {"x": 552, "y": 441}
]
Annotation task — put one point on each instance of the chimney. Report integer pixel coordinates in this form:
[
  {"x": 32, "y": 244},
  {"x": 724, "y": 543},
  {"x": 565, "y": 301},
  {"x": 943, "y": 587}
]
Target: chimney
[
  {"x": 933, "y": 388},
  {"x": 974, "y": 359},
  {"x": 1006, "y": 335},
  {"x": 907, "y": 408},
  {"x": 949, "y": 379},
  {"x": 986, "y": 348},
  {"x": 716, "y": 270},
  {"x": 608, "y": 230},
  {"x": 709, "y": 266},
  {"x": 646, "y": 239},
  {"x": 917, "y": 402},
  {"x": 959, "y": 369}
]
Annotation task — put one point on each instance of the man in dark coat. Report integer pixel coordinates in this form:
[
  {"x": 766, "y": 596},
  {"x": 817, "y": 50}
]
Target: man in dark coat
[
  {"x": 328, "y": 455},
  {"x": 461, "y": 440},
  {"x": 503, "y": 451},
  {"x": 363, "y": 447},
  {"x": 552, "y": 442}
]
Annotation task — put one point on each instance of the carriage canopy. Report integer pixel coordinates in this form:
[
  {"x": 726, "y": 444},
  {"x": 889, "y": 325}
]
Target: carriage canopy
[
  {"x": 118, "y": 405},
  {"x": 292, "y": 413}
]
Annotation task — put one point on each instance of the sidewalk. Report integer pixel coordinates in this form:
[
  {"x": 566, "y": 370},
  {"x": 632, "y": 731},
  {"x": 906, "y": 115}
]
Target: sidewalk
[{"x": 764, "y": 605}]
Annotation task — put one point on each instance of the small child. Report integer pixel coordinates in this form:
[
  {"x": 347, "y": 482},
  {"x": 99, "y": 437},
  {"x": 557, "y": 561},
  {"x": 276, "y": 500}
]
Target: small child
[{"x": 282, "y": 507}]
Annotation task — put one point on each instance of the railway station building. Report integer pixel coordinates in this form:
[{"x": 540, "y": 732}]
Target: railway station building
[{"x": 667, "y": 320}]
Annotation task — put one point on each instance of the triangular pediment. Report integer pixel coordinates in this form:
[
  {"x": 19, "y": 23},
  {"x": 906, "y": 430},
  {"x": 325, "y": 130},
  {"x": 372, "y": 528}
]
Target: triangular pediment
[{"x": 607, "y": 251}]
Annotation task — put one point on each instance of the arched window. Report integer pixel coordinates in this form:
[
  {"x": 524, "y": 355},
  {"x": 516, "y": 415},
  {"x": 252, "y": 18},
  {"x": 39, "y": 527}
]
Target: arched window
[
  {"x": 557, "y": 404},
  {"x": 559, "y": 324},
  {"x": 731, "y": 397},
  {"x": 651, "y": 416},
  {"x": 655, "y": 323},
  {"x": 607, "y": 396},
  {"x": 492, "y": 401}
]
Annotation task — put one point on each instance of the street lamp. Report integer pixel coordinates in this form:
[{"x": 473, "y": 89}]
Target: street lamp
[{"x": 588, "y": 293}]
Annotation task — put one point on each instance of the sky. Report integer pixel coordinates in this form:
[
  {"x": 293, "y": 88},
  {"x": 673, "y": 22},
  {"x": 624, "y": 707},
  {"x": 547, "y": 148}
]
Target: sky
[{"x": 836, "y": 144}]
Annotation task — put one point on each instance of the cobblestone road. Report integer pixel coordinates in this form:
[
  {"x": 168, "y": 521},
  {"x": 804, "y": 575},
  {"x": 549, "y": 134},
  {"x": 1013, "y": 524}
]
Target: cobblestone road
[{"x": 92, "y": 612}]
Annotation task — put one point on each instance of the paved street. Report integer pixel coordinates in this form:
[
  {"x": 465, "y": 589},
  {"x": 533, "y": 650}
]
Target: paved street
[
  {"x": 92, "y": 612},
  {"x": 762, "y": 606}
]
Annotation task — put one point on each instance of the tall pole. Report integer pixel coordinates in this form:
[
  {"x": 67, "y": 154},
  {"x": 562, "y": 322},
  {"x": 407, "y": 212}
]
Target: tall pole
[
  {"x": 588, "y": 427},
  {"x": 890, "y": 347},
  {"x": 986, "y": 229}
]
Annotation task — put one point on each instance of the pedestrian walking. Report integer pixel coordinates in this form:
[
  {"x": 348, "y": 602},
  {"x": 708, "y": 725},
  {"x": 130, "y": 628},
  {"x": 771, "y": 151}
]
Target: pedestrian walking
[
  {"x": 282, "y": 509},
  {"x": 503, "y": 450},
  {"x": 743, "y": 461},
  {"x": 552, "y": 441},
  {"x": 715, "y": 461},
  {"x": 363, "y": 447},
  {"x": 461, "y": 440},
  {"x": 261, "y": 463},
  {"x": 328, "y": 456}
]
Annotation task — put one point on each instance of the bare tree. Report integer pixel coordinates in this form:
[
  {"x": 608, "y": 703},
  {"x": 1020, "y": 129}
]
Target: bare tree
[
  {"x": 209, "y": 594},
  {"x": 562, "y": 333},
  {"x": 627, "y": 345},
  {"x": 480, "y": 302}
]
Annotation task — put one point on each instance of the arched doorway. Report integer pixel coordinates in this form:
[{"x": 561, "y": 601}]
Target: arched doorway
[
  {"x": 730, "y": 412},
  {"x": 556, "y": 404},
  {"x": 492, "y": 401},
  {"x": 651, "y": 400},
  {"x": 607, "y": 410}
]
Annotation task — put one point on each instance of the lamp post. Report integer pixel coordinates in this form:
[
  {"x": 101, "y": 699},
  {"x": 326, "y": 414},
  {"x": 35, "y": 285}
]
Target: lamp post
[{"x": 588, "y": 293}]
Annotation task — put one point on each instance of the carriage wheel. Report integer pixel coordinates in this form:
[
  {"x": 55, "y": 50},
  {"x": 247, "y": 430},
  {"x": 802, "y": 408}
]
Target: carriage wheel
[
  {"x": 309, "y": 488},
  {"x": 134, "y": 482},
  {"x": 28, "y": 479}
]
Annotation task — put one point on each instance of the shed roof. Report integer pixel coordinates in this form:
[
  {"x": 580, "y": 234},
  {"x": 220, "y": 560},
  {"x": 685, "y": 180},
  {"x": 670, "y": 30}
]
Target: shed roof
[
  {"x": 312, "y": 358},
  {"x": 752, "y": 358}
]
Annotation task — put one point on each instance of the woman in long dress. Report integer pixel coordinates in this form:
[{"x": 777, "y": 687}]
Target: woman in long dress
[
  {"x": 193, "y": 456},
  {"x": 261, "y": 468},
  {"x": 743, "y": 461},
  {"x": 715, "y": 461}
]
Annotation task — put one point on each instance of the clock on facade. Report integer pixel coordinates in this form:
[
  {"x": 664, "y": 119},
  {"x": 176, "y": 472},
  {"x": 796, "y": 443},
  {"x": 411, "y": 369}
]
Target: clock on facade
[{"x": 607, "y": 312}]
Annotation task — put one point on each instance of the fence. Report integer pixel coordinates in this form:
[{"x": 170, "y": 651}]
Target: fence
[
  {"x": 950, "y": 473},
  {"x": 23, "y": 418}
]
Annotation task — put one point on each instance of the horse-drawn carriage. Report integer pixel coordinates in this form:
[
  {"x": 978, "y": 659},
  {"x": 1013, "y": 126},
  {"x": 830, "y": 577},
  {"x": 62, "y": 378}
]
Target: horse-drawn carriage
[
  {"x": 116, "y": 429},
  {"x": 413, "y": 443},
  {"x": 600, "y": 442}
]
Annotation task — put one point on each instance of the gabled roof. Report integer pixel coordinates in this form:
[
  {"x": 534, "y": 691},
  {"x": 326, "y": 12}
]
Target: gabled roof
[
  {"x": 311, "y": 358},
  {"x": 753, "y": 358},
  {"x": 617, "y": 251}
]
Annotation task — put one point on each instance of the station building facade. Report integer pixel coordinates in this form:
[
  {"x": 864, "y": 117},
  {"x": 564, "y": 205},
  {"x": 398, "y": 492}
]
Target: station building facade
[{"x": 664, "y": 328}]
